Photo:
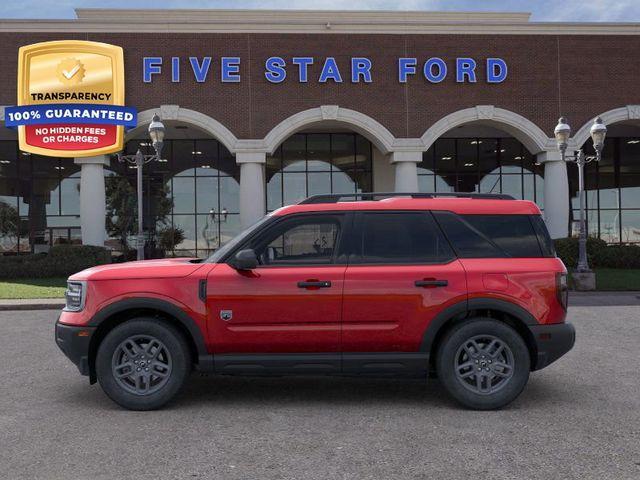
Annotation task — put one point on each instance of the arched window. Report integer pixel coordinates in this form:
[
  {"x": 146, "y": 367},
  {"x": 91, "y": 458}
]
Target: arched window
[{"x": 315, "y": 163}]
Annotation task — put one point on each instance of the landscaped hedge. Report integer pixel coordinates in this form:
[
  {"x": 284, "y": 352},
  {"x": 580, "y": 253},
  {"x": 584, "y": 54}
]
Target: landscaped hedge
[
  {"x": 61, "y": 261},
  {"x": 599, "y": 254}
]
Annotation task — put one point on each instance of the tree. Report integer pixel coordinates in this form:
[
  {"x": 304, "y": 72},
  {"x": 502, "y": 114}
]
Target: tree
[
  {"x": 9, "y": 222},
  {"x": 122, "y": 208}
]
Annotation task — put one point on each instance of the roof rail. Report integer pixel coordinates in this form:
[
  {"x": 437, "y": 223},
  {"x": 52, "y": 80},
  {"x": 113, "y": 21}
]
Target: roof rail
[{"x": 372, "y": 196}]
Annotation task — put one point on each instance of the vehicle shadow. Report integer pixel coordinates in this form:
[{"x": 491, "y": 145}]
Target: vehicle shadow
[{"x": 305, "y": 391}]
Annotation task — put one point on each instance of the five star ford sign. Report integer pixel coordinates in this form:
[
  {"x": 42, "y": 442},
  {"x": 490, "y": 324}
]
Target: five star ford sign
[{"x": 70, "y": 99}]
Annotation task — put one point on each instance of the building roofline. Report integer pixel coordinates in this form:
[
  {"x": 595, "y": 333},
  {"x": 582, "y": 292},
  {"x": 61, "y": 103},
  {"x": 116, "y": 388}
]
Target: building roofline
[{"x": 310, "y": 21}]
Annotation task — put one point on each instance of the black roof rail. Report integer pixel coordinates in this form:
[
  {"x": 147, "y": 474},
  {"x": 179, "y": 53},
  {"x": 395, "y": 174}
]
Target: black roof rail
[{"x": 370, "y": 196}]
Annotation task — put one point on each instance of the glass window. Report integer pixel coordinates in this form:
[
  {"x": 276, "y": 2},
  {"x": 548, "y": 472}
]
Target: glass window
[
  {"x": 467, "y": 241},
  {"x": 631, "y": 226},
  {"x": 317, "y": 163},
  {"x": 403, "y": 238},
  {"x": 308, "y": 241},
  {"x": 514, "y": 234}
]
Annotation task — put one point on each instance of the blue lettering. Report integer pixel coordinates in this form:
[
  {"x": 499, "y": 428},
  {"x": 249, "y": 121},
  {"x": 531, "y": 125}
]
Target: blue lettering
[
  {"x": 151, "y": 66},
  {"x": 175, "y": 69},
  {"x": 200, "y": 71},
  {"x": 303, "y": 64},
  {"x": 406, "y": 66},
  {"x": 496, "y": 70},
  {"x": 275, "y": 69},
  {"x": 360, "y": 67},
  {"x": 230, "y": 70},
  {"x": 330, "y": 71},
  {"x": 465, "y": 67},
  {"x": 428, "y": 70}
]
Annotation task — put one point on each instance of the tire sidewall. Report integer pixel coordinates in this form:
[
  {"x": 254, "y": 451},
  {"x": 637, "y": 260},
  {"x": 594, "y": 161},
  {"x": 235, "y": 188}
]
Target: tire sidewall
[
  {"x": 173, "y": 341},
  {"x": 446, "y": 360}
]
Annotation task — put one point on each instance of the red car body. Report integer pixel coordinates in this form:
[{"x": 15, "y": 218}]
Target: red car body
[{"x": 374, "y": 317}]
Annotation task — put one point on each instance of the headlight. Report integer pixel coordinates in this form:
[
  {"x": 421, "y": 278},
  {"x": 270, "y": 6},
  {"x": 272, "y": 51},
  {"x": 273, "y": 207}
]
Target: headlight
[{"x": 75, "y": 295}]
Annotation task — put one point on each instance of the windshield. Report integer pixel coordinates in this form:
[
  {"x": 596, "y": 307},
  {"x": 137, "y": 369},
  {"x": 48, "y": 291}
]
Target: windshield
[{"x": 235, "y": 241}]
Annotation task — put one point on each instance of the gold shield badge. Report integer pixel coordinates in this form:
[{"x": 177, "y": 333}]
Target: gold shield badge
[{"x": 74, "y": 89}]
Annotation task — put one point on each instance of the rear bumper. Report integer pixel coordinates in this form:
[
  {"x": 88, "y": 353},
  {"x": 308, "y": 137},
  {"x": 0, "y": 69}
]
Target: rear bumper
[
  {"x": 74, "y": 342},
  {"x": 552, "y": 342}
]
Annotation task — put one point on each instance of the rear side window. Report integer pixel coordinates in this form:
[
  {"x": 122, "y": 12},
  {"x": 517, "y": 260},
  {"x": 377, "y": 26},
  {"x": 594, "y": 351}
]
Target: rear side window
[
  {"x": 546, "y": 244},
  {"x": 411, "y": 237},
  {"x": 487, "y": 236}
]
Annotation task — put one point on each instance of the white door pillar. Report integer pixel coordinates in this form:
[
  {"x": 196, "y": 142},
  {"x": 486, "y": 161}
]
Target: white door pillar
[
  {"x": 93, "y": 208},
  {"x": 556, "y": 194},
  {"x": 252, "y": 188},
  {"x": 406, "y": 170}
]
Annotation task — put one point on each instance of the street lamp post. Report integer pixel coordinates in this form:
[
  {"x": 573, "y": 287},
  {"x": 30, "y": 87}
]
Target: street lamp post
[
  {"x": 156, "y": 133},
  {"x": 562, "y": 133}
]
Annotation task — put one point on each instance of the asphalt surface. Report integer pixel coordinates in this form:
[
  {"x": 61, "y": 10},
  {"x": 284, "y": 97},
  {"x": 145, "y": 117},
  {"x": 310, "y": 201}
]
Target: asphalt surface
[{"x": 579, "y": 418}]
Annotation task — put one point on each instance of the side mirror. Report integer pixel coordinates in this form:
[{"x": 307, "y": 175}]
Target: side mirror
[{"x": 245, "y": 260}]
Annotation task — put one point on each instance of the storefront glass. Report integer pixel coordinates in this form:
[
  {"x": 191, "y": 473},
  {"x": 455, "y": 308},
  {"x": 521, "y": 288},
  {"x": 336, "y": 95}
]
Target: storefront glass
[
  {"x": 193, "y": 191},
  {"x": 485, "y": 165},
  {"x": 315, "y": 163},
  {"x": 39, "y": 201},
  {"x": 612, "y": 191}
]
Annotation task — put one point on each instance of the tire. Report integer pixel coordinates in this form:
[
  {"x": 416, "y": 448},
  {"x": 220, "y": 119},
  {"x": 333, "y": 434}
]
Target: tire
[
  {"x": 143, "y": 363},
  {"x": 495, "y": 348}
]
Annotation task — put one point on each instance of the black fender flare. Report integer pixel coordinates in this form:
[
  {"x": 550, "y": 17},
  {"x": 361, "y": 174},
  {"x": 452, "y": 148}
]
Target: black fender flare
[
  {"x": 160, "y": 305},
  {"x": 462, "y": 309}
]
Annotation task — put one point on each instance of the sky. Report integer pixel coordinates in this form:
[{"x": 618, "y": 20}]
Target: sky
[{"x": 542, "y": 10}]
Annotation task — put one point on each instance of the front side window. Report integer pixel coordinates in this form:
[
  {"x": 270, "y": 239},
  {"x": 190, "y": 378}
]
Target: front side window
[
  {"x": 308, "y": 241},
  {"x": 411, "y": 237}
]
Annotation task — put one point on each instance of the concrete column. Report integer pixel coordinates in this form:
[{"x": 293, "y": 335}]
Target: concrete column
[
  {"x": 252, "y": 187},
  {"x": 93, "y": 208},
  {"x": 406, "y": 167},
  {"x": 556, "y": 194}
]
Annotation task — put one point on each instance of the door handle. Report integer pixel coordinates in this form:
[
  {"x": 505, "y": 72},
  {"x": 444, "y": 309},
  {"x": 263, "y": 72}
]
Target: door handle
[
  {"x": 314, "y": 284},
  {"x": 431, "y": 283}
]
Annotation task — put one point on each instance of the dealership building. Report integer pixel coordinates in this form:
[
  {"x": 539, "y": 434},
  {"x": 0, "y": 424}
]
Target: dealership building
[{"x": 264, "y": 108}]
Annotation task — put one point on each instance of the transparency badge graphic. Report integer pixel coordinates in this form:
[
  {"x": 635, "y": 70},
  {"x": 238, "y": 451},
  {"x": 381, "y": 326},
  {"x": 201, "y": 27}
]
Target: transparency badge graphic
[{"x": 70, "y": 99}]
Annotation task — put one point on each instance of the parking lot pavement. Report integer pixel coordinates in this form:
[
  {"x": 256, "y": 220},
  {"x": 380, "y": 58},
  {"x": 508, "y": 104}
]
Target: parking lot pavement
[{"x": 579, "y": 418}]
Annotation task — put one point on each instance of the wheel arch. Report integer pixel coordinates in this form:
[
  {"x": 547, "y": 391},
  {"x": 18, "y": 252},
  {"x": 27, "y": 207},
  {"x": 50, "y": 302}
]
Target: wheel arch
[
  {"x": 119, "y": 312},
  {"x": 507, "y": 312}
]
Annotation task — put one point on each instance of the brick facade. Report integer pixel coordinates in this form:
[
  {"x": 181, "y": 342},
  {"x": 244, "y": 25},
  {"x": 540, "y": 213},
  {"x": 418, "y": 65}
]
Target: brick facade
[{"x": 574, "y": 75}]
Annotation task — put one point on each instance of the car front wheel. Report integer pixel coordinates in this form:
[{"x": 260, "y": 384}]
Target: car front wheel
[
  {"x": 483, "y": 363},
  {"x": 143, "y": 363}
]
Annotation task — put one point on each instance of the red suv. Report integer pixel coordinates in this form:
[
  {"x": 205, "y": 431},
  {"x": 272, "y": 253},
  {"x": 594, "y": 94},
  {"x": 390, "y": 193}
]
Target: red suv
[{"x": 466, "y": 287}]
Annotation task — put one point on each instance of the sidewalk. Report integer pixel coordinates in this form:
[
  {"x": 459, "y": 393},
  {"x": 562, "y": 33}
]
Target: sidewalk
[{"x": 576, "y": 299}]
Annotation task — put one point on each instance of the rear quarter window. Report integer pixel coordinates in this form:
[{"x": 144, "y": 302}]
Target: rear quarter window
[{"x": 488, "y": 236}]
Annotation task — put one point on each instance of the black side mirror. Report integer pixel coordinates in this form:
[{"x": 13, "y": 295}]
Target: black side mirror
[{"x": 245, "y": 260}]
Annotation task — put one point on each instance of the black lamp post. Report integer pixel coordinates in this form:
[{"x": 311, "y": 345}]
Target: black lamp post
[
  {"x": 562, "y": 133},
  {"x": 156, "y": 133}
]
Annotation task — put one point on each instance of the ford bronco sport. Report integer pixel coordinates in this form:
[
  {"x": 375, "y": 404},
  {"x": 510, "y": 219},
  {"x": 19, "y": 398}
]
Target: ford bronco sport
[{"x": 464, "y": 286}]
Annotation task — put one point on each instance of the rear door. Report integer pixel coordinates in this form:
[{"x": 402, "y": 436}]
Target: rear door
[{"x": 401, "y": 273}]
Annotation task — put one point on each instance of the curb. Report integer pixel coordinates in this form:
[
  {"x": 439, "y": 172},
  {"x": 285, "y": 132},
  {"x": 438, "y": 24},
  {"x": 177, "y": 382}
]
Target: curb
[{"x": 18, "y": 305}]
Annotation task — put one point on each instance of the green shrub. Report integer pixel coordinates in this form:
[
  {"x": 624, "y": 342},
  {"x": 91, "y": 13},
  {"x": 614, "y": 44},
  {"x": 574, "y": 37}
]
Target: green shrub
[
  {"x": 61, "y": 261},
  {"x": 599, "y": 254}
]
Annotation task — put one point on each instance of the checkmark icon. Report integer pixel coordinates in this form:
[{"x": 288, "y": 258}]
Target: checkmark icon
[{"x": 71, "y": 73}]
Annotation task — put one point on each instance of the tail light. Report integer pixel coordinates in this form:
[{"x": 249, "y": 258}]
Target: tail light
[{"x": 562, "y": 289}]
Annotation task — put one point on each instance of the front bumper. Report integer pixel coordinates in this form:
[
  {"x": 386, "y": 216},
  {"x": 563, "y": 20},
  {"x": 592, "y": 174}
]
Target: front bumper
[
  {"x": 74, "y": 342},
  {"x": 552, "y": 342}
]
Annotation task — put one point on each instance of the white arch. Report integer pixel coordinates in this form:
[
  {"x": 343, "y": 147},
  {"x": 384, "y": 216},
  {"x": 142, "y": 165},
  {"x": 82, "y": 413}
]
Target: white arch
[
  {"x": 630, "y": 112},
  {"x": 382, "y": 138},
  {"x": 531, "y": 136},
  {"x": 197, "y": 119}
]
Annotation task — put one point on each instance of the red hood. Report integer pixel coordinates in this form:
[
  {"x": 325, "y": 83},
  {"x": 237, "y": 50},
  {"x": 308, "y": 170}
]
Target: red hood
[{"x": 164, "y": 268}]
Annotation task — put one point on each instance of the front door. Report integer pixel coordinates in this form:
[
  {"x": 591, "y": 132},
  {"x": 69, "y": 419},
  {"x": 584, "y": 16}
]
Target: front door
[
  {"x": 290, "y": 305},
  {"x": 402, "y": 273}
]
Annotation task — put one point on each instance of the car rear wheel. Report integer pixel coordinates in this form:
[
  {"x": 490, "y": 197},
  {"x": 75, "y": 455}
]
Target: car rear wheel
[
  {"x": 143, "y": 363},
  {"x": 483, "y": 363}
]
